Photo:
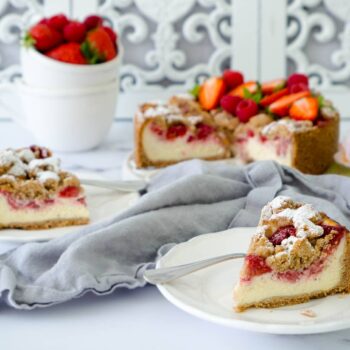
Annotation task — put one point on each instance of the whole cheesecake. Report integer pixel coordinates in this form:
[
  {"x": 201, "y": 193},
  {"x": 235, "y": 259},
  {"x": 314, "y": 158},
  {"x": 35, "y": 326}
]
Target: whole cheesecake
[{"x": 281, "y": 120}]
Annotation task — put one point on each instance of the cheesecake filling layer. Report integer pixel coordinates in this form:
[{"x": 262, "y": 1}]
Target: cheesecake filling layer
[
  {"x": 260, "y": 148},
  {"x": 58, "y": 208},
  {"x": 159, "y": 149},
  {"x": 269, "y": 285}
]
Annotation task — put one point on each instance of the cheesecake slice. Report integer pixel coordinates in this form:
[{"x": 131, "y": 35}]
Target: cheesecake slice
[
  {"x": 36, "y": 194},
  {"x": 177, "y": 130},
  {"x": 296, "y": 254}
]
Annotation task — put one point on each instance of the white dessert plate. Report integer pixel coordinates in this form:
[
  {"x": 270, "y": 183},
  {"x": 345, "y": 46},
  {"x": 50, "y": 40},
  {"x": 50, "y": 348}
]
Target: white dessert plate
[
  {"x": 103, "y": 205},
  {"x": 130, "y": 172},
  {"x": 208, "y": 294}
]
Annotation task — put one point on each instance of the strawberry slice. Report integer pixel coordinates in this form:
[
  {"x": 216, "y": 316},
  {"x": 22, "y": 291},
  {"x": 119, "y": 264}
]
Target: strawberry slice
[
  {"x": 211, "y": 92},
  {"x": 304, "y": 109},
  {"x": 267, "y": 100},
  {"x": 272, "y": 86},
  {"x": 282, "y": 105},
  {"x": 251, "y": 86}
]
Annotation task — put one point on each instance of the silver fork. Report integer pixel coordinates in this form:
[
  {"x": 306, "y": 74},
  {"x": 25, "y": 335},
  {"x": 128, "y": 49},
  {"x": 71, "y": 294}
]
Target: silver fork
[
  {"x": 119, "y": 185},
  {"x": 168, "y": 274}
]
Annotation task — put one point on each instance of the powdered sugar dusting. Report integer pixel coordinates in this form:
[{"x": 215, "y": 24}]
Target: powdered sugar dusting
[
  {"x": 44, "y": 176},
  {"x": 291, "y": 125},
  {"x": 302, "y": 216}
]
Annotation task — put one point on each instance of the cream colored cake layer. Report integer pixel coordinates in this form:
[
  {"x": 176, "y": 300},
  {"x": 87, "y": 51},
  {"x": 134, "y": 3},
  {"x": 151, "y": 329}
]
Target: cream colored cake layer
[
  {"x": 64, "y": 208},
  {"x": 265, "y": 286},
  {"x": 258, "y": 150},
  {"x": 178, "y": 149}
]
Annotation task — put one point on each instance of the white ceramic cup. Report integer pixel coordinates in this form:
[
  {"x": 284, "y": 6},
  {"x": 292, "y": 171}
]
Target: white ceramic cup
[
  {"x": 43, "y": 72},
  {"x": 68, "y": 120}
]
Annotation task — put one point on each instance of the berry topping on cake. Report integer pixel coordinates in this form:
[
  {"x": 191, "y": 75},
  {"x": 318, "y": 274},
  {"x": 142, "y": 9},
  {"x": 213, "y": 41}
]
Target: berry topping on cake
[
  {"x": 211, "y": 92},
  {"x": 229, "y": 103},
  {"x": 298, "y": 87},
  {"x": 281, "y": 234},
  {"x": 282, "y": 105},
  {"x": 297, "y": 78},
  {"x": 272, "y": 86},
  {"x": 305, "y": 109},
  {"x": 246, "y": 109},
  {"x": 232, "y": 78},
  {"x": 241, "y": 90},
  {"x": 269, "y": 99}
]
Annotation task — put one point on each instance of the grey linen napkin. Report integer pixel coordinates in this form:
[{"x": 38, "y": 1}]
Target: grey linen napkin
[{"x": 183, "y": 201}]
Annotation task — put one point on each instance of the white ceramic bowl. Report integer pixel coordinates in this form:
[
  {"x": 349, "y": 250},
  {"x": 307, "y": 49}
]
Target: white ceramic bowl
[
  {"x": 43, "y": 72},
  {"x": 67, "y": 120}
]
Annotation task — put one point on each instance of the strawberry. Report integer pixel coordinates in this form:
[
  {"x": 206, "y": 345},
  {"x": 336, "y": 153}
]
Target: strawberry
[
  {"x": 69, "y": 53},
  {"x": 112, "y": 34},
  {"x": 74, "y": 32},
  {"x": 229, "y": 103},
  {"x": 211, "y": 92},
  {"x": 269, "y": 99},
  {"x": 98, "y": 46},
  {"x": 93, "y": 21},
  {"x": 232, "y": 78},
  {"x": 57, "y": 22},
  {"x": 246, "y": 109},
  {"x": 304, "y": 109},
  {"x": 272, "y": 86},
  {"x": 282, "y": 105},
  {"x": 43, "y": 37},
  {"x": 250, "y": 86}
]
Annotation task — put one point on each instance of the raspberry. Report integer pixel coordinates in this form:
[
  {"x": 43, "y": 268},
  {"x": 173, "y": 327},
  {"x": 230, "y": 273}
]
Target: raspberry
[
  {"x": 112, "y": 34},
  {"x": 298, "y": 87},
  {"x": 93, "y": 21},
  {"x": 297, "y": 78},
  {"x": 232, "y": 78},
  {"x": 229, "y": 103},
  {"x": 203, "y": 131},
  {"x": 74, "y": 32},
  {"x": 58, "y": 22},
  {"x": 256, "y": 265},
  {"x": 246, "y": 109},
  {"x": 176, "y": 130},
  {"x": 281, "y": 234}
]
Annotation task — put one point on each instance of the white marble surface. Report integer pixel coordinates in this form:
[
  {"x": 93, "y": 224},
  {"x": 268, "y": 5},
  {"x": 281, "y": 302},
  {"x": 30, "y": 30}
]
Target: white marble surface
[{"x": 138, "y": 319}]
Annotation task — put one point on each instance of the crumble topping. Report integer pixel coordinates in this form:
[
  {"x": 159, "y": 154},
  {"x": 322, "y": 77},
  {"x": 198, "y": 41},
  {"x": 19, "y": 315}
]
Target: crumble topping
[
  {"x": 255, "y": 124},
  {"x": 290, "y": 235},
  {"x": 31, "y": 173},
  {"x": 285, "y": 127}
]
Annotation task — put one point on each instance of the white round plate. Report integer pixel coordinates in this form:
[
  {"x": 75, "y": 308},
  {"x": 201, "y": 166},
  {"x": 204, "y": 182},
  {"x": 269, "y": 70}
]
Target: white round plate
[
  {"x": 103, "y": 204},
  {"x": 130, "y": 172},
  {"x": 208, "y": 294}
]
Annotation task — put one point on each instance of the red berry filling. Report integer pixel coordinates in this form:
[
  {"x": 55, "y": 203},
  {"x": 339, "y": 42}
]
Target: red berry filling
[
  {"x": 256, "y": 266},
  {"x": 176, "y": 130},
  {"x": 203, "y": 131},
  {"x": 69, "y": 192},
  {"x": 281, "y": 234}
]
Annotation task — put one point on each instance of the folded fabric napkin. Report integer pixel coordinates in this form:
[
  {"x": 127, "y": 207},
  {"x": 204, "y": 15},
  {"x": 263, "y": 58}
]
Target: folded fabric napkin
[{"x": 183, "y": 201}]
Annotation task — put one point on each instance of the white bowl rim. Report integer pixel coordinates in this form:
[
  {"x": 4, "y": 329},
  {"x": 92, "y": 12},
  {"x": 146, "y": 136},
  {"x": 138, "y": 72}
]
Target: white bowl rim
[
  {"x": 114, "y": 84},
  {"x": 77, "y": 68}
]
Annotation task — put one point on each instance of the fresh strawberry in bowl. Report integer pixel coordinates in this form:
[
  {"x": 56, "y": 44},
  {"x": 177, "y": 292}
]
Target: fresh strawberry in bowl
[{"x": 59, "y": 52}]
